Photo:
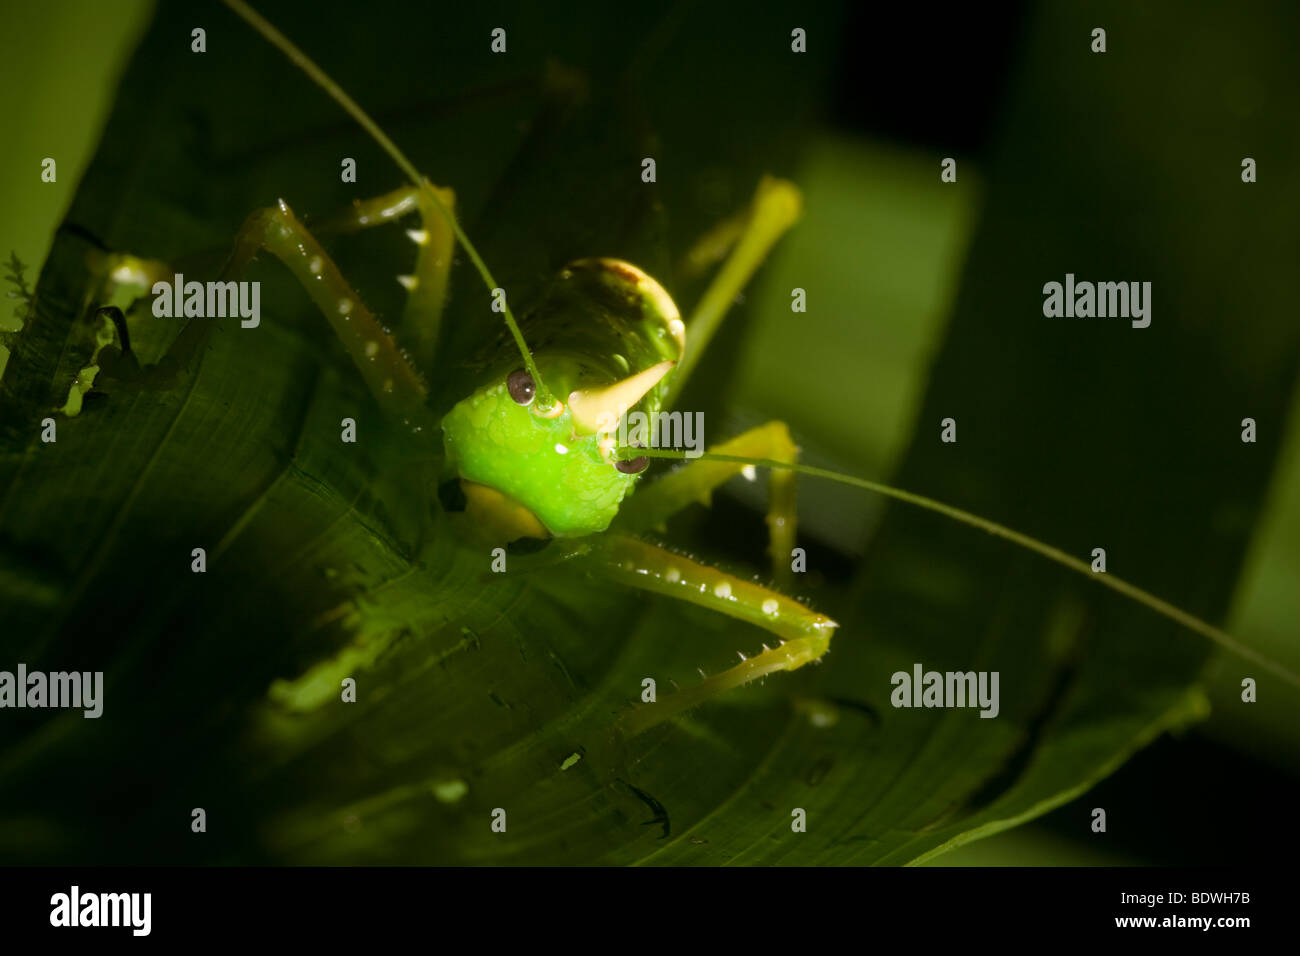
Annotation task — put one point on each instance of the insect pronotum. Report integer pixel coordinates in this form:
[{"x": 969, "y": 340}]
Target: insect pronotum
[{"x": 532, "y": 450}]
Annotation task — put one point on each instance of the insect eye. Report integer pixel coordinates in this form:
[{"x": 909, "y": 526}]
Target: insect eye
[
  {"x": 633, "y": 466},
  {"x": 521, "y": 387}
]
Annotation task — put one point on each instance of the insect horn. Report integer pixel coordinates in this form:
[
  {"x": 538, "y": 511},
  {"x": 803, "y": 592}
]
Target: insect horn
[
  {"x": 1159, "y": 605},
  {"x": 323, "y": 80},
  {"x": 599, "y": 409}
]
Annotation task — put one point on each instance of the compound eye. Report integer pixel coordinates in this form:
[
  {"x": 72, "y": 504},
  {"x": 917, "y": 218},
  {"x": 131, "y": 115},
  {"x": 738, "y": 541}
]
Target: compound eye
[
  {"x": 521, "y": 387},
  {"x": 633, "y": 466}
]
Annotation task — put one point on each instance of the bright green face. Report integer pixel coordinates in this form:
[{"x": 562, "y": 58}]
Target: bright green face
[
  {"x": 602, "y": 328},
  {"x": 542, "y": 463}
]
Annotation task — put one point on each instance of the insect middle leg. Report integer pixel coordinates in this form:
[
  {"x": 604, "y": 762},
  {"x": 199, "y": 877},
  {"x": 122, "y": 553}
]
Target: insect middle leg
[{"x": 651, "y": 506}]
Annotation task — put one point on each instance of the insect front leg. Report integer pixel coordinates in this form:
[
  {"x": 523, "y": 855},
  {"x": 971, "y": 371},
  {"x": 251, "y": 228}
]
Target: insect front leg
[
  {"x": 391, "y": 378},
  {"x": 803, "y": 635},
  {"x": 651, "y": 506},
  {"x": 426, "y": 286}
]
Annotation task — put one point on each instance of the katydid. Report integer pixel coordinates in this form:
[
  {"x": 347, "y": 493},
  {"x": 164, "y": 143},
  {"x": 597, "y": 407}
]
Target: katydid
[{"x": 531, "y": 450}]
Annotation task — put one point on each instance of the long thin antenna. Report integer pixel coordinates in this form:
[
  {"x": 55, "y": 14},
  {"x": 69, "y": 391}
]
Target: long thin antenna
[
  {"x": 1189, "y": 621},
  {"x": 322, "y": 79}
]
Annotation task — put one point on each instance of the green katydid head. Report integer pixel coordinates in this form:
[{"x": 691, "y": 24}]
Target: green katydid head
[{"x": 605, "y": 338}]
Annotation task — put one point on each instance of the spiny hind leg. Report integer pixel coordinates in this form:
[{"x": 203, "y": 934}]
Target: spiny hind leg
[
  {"x": 389, "y": 375},
  {"x": 435, "y": 241},
  {"x": 802, "y": 634},
  {"x": 654, "y": 504}
]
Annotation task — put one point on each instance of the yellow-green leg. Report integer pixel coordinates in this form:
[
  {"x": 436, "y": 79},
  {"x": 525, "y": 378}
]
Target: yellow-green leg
[
  {"x": 802, "y": 634},
  {"x": 396, "y": 385},
  {"x": 776, "y": 206},
  {"x": 434, "y": 241},
  {"x": 655, "y": 503}
]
